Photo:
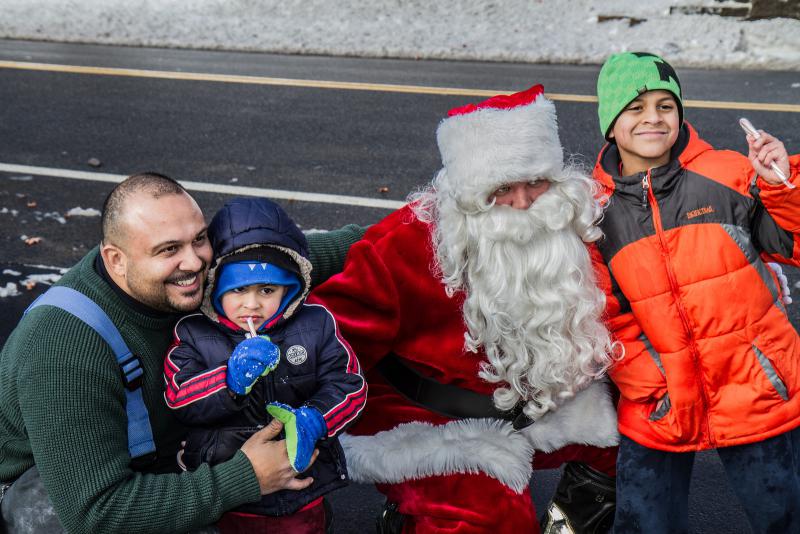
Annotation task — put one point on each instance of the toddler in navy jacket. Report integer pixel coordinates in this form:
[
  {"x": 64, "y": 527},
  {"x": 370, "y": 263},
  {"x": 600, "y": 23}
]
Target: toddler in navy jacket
[{"x": 226, "y": 383}]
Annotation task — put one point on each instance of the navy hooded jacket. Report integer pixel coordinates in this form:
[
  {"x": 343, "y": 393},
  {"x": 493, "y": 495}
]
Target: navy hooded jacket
[{"x": 317, "y": 368}]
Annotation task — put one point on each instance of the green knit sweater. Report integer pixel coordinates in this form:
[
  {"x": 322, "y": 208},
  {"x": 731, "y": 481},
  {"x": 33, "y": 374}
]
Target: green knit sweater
[
  {"x": 62, "y": 407},
  {"x": 328, "y": 250}
]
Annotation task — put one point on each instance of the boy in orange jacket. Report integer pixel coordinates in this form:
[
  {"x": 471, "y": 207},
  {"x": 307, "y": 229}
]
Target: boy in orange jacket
[{"x": 711, "y": 360}]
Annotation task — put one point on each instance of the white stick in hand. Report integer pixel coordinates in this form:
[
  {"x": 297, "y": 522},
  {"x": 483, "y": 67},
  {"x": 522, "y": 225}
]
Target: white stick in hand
[
  {"x": 252, "y": 328},
  {"x": 748, "y": 127}
]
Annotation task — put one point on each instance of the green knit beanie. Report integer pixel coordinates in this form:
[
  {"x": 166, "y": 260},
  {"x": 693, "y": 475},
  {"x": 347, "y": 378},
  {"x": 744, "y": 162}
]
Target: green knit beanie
[{"x": 627, "y": 75}]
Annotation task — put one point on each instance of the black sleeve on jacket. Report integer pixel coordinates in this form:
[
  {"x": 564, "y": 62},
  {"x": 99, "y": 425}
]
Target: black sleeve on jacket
[{"x": 767, "y": 235}]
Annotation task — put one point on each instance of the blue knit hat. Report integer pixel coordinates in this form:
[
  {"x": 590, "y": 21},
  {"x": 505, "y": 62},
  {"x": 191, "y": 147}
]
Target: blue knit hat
[{"x": 238, "y": 274}]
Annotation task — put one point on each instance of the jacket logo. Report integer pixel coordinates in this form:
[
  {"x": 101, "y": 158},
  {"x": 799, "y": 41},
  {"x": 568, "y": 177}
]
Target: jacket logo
[
  {"x": 700, "y": 211},
  {"x": 296, "y": 354}
]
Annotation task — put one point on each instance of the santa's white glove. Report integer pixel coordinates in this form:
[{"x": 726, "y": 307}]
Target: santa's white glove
[
  {"x": 786, "y": 296},
  {"x": 590, "y": 418}
]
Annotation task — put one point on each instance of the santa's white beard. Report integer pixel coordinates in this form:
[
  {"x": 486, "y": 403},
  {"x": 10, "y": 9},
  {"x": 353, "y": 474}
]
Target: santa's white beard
[{"x": 531, "y": 303}]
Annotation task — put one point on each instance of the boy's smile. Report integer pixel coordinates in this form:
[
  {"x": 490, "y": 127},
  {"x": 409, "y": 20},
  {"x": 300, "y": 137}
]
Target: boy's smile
[{"x": 646, "y": 130}]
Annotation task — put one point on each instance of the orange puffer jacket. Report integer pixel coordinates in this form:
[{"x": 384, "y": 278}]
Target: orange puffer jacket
[{"x": 699, "y": 313}]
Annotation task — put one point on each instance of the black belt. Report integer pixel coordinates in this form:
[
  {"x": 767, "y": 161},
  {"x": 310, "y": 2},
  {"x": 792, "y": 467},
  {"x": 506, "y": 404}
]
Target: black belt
[{"x": 444, "y": 399}]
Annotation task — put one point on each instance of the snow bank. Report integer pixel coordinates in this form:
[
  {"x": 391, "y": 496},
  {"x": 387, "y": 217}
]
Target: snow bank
[{"x": 572, "y": 31}]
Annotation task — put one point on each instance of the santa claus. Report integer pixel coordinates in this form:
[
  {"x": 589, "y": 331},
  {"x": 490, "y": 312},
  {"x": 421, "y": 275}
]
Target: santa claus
[{"x": 476, "y": 314}]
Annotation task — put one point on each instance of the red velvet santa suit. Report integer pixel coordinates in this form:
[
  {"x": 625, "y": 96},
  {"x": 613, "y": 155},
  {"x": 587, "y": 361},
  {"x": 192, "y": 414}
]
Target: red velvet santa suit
[{"x": 460, "y": 476}]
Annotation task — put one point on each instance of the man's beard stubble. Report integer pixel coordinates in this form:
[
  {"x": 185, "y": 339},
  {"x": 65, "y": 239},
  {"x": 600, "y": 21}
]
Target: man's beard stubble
[{"x": 155, "y": 294}]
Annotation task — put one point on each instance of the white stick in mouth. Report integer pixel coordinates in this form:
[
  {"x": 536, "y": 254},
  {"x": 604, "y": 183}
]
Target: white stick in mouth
[
  {"x": 748, "y": 127},
  {"x": 252, "y": 328}
]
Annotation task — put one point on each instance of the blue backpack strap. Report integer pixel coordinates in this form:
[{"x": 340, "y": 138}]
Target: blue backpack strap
[{"x": 140, "y": 434}]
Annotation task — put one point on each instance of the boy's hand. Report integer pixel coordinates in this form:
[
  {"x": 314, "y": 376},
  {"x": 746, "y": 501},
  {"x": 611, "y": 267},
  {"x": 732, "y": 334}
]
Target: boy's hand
[
  {"x": 764, "y": 151},
  {"x": 786, "y": 293},
  {"x": 251, "y": 359},
  {"x": 303, "y": 426}
]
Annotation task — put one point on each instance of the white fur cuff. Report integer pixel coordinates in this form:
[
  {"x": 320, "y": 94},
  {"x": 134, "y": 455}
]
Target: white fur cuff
[
  {"x": 490, "y": 446},
  {"x": 589, "y": 418},
  {"x": 419, "y": 450}
]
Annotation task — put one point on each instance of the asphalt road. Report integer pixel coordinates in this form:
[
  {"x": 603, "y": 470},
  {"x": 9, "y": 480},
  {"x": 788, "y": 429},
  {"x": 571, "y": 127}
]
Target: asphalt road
[{"x": 372, "y": 140}]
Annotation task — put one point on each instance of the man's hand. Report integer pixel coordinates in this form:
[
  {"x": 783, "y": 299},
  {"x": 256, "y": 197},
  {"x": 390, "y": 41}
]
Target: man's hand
[
  {"x": 304, "y": 426},
  {"x": 271, "y": 462},
  {"x": 251, "y": 359}
]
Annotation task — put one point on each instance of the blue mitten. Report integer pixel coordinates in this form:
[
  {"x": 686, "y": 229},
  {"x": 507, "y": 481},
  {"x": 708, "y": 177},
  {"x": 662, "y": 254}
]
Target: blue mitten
[
  {"x": 251, "y": 359},
  {"x": 303, "y": 426}
]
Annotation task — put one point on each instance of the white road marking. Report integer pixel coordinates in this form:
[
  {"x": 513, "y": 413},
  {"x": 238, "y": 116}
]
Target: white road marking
[{"x": 239, "y": 190}]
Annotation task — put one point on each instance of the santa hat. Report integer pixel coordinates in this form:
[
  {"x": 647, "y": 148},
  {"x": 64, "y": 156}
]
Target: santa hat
[{"x": 507, "y": 138}]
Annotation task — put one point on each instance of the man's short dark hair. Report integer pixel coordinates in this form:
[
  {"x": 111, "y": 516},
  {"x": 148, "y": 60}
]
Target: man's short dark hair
[{"x": 153, "y": 183}]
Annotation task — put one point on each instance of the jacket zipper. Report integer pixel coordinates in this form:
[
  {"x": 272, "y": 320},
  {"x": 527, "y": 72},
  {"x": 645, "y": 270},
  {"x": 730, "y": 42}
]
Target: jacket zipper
[{"x": 648, "y": 195}]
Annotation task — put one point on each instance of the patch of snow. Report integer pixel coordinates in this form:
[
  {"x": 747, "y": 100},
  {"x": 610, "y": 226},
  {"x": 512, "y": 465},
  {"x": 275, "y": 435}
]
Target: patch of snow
[
  {"x": 49, "y": 278},
  {"x": 81, "y": 212},
  {"x": 512, "y": 30},
  {"x": 61, "y": 270},
  {"x": 10, "y": 290},
  {"x": 11, "y": 272},
  {"x": 55, "y": 216}
]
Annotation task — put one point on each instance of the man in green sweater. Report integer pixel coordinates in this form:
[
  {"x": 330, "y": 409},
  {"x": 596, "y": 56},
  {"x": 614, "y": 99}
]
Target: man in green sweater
[{"x": 64, "y": 459}]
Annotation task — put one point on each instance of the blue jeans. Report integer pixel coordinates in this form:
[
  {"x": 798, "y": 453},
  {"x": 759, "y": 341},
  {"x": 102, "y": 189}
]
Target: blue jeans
[{"x": 653, "y": 486}]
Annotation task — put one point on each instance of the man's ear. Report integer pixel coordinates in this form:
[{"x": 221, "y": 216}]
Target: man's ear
[{"x": 115, "y": 260}]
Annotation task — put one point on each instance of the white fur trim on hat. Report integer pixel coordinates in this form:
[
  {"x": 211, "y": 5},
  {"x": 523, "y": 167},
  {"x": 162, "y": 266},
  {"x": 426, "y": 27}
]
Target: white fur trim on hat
[{"x": 489, "y": 147}]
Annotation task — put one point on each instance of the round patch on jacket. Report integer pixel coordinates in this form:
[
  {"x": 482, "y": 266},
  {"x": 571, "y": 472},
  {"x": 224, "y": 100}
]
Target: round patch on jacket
[{"x": 296, "y": 354}]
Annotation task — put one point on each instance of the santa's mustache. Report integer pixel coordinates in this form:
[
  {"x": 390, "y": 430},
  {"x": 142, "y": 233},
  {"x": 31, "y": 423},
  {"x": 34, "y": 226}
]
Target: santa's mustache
[{"x": 553, "y": 211}]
